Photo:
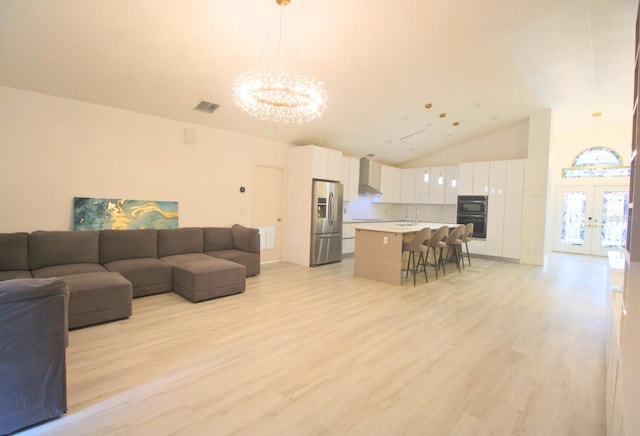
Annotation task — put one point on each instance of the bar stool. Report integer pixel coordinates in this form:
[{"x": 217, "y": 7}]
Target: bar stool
[
  {"x": 413, "y": 247},
  {"x": 454, "y": 241},
  {"x": 437, "y": 243},
  {"x": 468, "y": 234}
]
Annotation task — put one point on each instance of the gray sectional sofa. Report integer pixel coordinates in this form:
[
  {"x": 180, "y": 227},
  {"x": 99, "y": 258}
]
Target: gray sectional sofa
[{"x": 106, "y": 269}]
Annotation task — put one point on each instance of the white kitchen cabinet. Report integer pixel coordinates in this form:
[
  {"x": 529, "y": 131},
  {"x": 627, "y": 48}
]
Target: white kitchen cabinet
[
  {"x": 386, "y": 185},
  {"x": 334, "y": 164},
  {"x": 478, "y": 246},
  {"x": 451, "y": 185},
  {"x": 481, "y": 178},
  {"x": 348, "y": 238},
  {"x": 505, "y": 190},
  {"x": 465, "y": 178},
  {"x": 397, "y": 181},
  {"x": 350, "y": 177},
  {"x": 326, "y": 163},
  {"x": 407, "y": 185},
  {"x": 513, "y": 208},
  {"x": 422, "y": 185},
  {"x": 496, "y": 207},
  {"x": 437, "y": 185}
]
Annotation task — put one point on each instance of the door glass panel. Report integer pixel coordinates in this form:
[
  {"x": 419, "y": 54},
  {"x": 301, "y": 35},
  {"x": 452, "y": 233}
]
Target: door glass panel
[
  {"x": 267, "y": 237},
  {"x": 613, "y": 230},
  {"x": 573, "y": 217}
]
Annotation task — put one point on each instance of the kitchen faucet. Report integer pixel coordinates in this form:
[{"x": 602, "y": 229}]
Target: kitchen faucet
[{"x": 415, "y": 215}]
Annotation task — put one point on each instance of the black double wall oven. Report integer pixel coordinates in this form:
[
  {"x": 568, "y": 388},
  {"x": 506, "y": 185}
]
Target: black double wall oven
[{"x": 473, "y": 209}]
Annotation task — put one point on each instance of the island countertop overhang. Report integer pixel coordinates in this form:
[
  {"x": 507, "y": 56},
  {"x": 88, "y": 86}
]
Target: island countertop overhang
[{"x": 400, "y": 226}]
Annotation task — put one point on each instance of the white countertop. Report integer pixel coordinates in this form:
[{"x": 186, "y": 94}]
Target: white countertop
[{"x": 400, "y": 226}]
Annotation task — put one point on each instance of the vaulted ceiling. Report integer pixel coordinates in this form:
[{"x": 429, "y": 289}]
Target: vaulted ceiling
[{"x": 487, "y": 65}]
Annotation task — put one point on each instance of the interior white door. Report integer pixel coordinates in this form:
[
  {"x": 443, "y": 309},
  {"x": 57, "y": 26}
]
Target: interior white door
[
  {"x": 591, "y": 220},
  {"x": 267, "y": 210}
]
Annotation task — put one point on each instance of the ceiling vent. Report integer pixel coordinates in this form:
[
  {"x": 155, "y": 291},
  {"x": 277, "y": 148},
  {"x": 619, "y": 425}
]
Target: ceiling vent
[{"x": 207, "y": 107}]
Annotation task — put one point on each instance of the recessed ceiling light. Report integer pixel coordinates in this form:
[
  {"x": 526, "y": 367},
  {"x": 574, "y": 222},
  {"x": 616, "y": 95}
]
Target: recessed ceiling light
[
  {"x": 456, "y": 123},
  {"x": 428, "y": 106},
  {"x": 443, "y": 114},
  {"x": 596, "y": 114}
]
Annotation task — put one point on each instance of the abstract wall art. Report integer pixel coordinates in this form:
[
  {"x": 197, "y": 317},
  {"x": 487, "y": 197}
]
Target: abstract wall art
[{"x": 120, "y": 214}]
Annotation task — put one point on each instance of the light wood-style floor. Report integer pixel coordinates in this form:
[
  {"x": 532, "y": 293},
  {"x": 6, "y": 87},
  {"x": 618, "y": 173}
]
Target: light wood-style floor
[{"x": 499, "y": 349}]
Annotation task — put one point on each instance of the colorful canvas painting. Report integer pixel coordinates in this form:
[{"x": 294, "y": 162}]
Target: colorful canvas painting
[{"x": 118, "y": 214}]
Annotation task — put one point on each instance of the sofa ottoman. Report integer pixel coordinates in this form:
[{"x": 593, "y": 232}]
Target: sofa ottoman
[
  {"x": 199, "y": 277},
  {"x": 98, "y": 297},
  {"x": 196, "y": 276}
]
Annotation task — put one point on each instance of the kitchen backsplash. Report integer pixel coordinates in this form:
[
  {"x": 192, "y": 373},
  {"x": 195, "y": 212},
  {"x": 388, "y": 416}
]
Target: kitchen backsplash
[{"x": 364, "y": 208}]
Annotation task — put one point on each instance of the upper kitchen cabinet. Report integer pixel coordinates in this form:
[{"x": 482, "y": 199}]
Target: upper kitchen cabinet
[
  {"x": 407, "y": 185},
  {"x": 481, "y": 178},
  {"x": 350, "y": 177},
  {"x": 422, "y": 185},
  {"x": 326, "y": 163},
  {"x": 473, "y": 178},
  {"x": 390, "y": 185},
  {"x": 465, "y": 178},
  {"x": 451, "y": 185},
  {"x": 437, "y": 185}
]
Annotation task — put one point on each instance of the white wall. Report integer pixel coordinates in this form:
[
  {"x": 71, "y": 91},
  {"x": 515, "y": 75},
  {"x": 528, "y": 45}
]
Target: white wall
[
  {"x": 535, "y": 224},
  {"x": 567, "y": 145},
  {"x": 507, "y": 144},
  {"x": 54, "y": 149}
]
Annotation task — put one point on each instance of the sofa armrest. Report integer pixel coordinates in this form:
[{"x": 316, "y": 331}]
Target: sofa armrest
[
  {"x": 18, "y": 291},
  {"x": 245, "y": 238}
]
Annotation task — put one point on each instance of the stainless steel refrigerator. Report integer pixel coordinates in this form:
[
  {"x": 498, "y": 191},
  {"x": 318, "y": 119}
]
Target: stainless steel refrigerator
[{"x": 326, "y": 222}]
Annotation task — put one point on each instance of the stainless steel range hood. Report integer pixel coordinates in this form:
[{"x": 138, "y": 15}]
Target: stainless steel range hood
[{"x": 369, "y": 177}]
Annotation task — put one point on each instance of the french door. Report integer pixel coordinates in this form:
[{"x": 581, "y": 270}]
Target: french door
[{"x": 591, "y": 220}]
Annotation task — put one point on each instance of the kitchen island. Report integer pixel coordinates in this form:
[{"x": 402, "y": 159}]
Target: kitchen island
[{"x": 378, "y": 252}]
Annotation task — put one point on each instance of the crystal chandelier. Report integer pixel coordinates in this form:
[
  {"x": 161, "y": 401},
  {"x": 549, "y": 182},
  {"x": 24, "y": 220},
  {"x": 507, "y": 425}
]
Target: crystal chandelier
[{"x": 280, "y": 94}]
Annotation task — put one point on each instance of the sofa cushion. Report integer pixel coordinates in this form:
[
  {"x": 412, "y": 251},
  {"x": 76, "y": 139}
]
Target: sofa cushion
[
  {"x": 67, "y": 270},
  {"x": 251, "y": 261},
  {"x": 127, "y": 244},
  {"x": 147, "y": 276},
  {"x": 14, "y": 251},
  {"x": 11, "y": 275},
  {"x": 48, "y": 248},
  {"x": 245, "y": 238},
  {"x": 179, "y": 241},
  {"x": 217, "y": 238},
  {"x": 98, "y": 297}
]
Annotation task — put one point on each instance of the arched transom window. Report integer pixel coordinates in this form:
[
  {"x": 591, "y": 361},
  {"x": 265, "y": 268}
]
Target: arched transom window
[{"x": 597, "y": 162}]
